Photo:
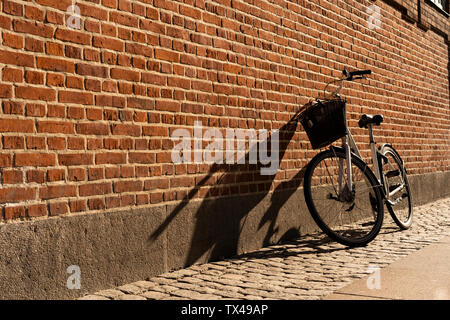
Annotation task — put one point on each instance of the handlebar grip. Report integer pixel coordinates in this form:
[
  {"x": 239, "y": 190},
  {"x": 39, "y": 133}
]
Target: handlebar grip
[{"x": 360, "y": 72}]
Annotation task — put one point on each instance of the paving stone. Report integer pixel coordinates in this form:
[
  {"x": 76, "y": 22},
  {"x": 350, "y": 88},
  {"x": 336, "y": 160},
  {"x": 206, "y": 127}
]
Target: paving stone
[
  {"x": 146, "y": 285},
  {"x": 131, "y": 297},
  {"x": 154, "y": 295},
  {"x": 110, "y": 293},
  {"x": 130, "y": 288},
  {"x": 93, "y": 297}
]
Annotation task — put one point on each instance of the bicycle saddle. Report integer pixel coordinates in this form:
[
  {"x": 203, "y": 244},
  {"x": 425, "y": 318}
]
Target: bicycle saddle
[{"x": 367, "y": 119}]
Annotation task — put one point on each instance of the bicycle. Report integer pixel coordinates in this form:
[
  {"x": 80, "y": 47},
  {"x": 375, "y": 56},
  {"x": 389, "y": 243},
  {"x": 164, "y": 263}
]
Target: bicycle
[{"x": 344, "y": 196}]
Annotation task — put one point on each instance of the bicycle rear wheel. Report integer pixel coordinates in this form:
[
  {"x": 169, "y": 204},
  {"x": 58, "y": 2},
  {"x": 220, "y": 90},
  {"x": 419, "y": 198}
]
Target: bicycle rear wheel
[
  {"x": 350, "y": 217},
  {"x": 399, "y": 204}
]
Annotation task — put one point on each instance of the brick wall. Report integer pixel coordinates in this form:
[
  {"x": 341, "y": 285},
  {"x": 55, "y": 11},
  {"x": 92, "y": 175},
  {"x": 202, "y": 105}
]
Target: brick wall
[{"x": 87, "y": 115}]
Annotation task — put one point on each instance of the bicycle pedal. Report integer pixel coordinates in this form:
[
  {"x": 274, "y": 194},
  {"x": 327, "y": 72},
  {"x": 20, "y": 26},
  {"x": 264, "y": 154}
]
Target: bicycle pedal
[
  {"x": 350, "y": 208},
  {"x": 393, "y": 187},
  {"x": 393, "y": 173}
]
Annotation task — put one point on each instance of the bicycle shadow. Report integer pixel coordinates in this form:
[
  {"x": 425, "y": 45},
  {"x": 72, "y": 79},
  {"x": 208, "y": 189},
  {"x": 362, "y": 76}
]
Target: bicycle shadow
[
  {"x": 218, "y": 223},
  {"x": 292, "y": 248}
]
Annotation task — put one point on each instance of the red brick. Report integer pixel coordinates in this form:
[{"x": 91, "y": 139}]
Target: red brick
[
  {"x": 12, "y": 75},
  {"x": 126, "y": 129},
  {"x": 13, "y": 142},
  {"x": 12, "y": 7},
  {"x": 76, "y": 143},
  {"x": 14, "y": 212},
  {"x": 37, "y": 176},
  {"x": 34, "y": 159},
  {"x": 56, "y": 209},
  {"x": 56, "y": 111},
  {"x": 55, "y": 64},
  {"x": 94, "y": 114},
  {"x": 54, "y": 17},
  {"x": 74, "y": 82},
  {"x": 73, "y": 36},
  {"x": 110, "y": 158},
  {"x": 125, "y": 74},
  {"x": 167, "y": 55},
  {"x": 95, "y": 174},
  {"x": 16, "y": 58},
  {"x": 124, "y": 19},
  {"x": 96, "y": 204},
  {"x": 77, "y": 174},
  {"x": 55, "y": 127},
  {"x": 12, "y": 176},
  {"x": 92, "y": 128},
  {"x": 12, "y": 40},
  {"x": 56, "y": 175},
  {"x": 92, "y": 70},
  {"x": 13, "y": 107},
  {"x": 34, "y": 13},
  {"x": 127, "y": 186},
  {"x": 34, "y": 45},
  {"x": 33, "y": 27},
  {"x": 16, "y": 194},
  {"x": 108, "y": 43},
  {"x": 76, "y": 97},
  {"x": 111, "y": 101},
  {"x": 77, "y": 205},
  {"x": 72, "y": 52},
  {"x": 34, "y": 110},
  {"x": 16, "y": 125},
  {"x": 34, "y": 77},
  {"x": 35, "y": 142},
  {"x": 58, "y": 191},
  {"x": 35, "y": 93},
  {"x": 54, "y": 79},
  {"x": 112, "y": 202},
  {"x": 54, "y": 49},
  {"x": 74, "y": 159},
  {"x": 56, "y": 143},
  {"x": 75, "y": 113},
  {"x": 93, "y": 85},
  {"x": 95, "y": 189},
  {"x": 5, "y": 91},
  {"x": 37, "y": 210}
]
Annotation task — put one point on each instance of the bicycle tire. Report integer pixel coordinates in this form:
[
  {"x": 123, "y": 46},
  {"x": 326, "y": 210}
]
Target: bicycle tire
[
  {"x": 401, "y": 218},
  {"x": 375, "y": 200}
]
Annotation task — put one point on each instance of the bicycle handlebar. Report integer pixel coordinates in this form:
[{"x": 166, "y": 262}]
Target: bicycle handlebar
[{"x": 349, "y": 76}]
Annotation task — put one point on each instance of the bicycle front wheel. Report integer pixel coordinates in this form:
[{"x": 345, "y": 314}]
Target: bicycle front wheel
[{"x": 350, "y": 217}]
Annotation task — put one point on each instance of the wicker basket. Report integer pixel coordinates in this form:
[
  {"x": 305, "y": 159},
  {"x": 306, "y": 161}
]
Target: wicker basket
[{"x": 324, "y": 122}]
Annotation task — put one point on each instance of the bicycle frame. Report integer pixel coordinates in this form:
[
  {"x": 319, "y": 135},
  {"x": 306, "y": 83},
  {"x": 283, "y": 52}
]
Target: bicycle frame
[{"x": 349, "y": 145}]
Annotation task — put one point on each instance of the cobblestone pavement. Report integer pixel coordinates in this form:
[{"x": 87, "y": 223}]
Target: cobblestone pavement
[{"x": 308, "y": 268}]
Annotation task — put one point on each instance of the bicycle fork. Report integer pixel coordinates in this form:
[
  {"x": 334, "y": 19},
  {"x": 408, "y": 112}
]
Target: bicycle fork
[{"x": 345, "y": 189}]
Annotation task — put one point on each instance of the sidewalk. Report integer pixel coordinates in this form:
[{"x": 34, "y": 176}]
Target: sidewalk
[
  {"x": 423, "y": 275},
  {"x": 411, "y": 264}
]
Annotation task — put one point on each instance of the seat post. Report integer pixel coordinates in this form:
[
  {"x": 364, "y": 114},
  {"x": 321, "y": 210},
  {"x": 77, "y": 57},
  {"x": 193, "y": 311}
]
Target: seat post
[
  {"x": 374, "y": 152},
  {"x": 371, "y": 139}
]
